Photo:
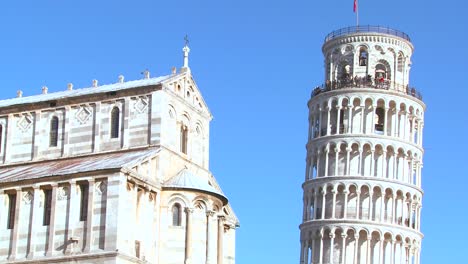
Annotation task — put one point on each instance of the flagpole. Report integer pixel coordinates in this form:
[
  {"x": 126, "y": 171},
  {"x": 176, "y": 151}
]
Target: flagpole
[{"x": 357, "y": 13}]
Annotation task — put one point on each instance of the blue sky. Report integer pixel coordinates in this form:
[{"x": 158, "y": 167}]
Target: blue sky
[{"x": 256, "y": 63}]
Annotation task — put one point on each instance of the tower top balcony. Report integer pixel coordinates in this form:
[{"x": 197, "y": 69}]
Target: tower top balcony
[
  {"x": 372, "y": 56},
  {"x": 366, "y": 29}
]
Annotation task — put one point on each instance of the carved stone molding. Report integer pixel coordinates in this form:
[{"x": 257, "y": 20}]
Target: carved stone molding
[
  {"x": 28, "y": 197},
  {"x": 83, "y": 114},
  {"x": 63, "y": 193},
  {"x": 101, "y": 187}
]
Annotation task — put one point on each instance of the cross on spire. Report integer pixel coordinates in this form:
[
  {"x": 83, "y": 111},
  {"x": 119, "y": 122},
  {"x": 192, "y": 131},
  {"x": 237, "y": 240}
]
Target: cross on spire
[{"x": 186, "y": 40}]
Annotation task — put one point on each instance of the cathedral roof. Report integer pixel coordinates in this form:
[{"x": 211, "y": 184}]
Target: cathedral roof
[
  {"x": 83, "y": 91},
  {"x": 68, "y": 166},
  {"x": 187, "y": 180}
]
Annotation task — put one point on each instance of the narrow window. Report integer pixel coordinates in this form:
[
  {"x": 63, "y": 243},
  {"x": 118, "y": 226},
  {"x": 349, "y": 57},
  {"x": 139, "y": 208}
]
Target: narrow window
[
  {"x": 183, "y": 139},
  {"x": 115, "y": 115},
  {"x": 47, "y": 207},
  {"x": 176, "y": 215},
  {"x": 137, "y": 248},
  {"x": 11, "y": 211},
  {"x": 363, "y": 57},
  {"x": 53, "y": 137},
  {"x": 379, "y": 119},
  {"x": 84, "y": 190}
]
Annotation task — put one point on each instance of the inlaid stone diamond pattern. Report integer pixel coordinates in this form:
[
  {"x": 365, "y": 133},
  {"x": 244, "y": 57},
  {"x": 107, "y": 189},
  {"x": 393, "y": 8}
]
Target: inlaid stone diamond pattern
[
  {"x": 141, "y": 105},
  {"x": 25, "y": 123},
  {"x": 83, "y": 114}
]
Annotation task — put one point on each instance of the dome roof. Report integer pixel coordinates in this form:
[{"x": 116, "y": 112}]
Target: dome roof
[{"x": 187, "y": 180}]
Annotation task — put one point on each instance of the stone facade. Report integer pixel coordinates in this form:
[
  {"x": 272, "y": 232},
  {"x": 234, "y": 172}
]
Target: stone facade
[
  {"x": 362, "y": 190},
  {"x": 115, "y": 173}
]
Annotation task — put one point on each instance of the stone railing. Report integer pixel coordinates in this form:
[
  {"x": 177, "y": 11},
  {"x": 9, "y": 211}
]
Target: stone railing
[
  {"x": 366, "y": 29},
  {"x": 367, "y": 83}
]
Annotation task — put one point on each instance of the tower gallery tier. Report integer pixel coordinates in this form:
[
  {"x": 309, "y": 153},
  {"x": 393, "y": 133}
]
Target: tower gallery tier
[{"x": 362, "y": 188}]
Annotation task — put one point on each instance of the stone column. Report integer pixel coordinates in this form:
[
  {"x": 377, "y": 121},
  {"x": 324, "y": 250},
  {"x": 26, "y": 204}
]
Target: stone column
[
  {"x": 420, "y": 137},
  {"x": 392, "y": 251},
  {"x": 125, "y": 123},
  {"x": 53, "y": 209},
  {"x": 324, "y": 193},
  {"x": 358, "y": 203},
  {"x": 337, "y": 153},
  {"x": 306, "y": 252},
  {"x": 328, "y": 121},
  {"x": 302, "y": 258},
  {"x": 350, "y": 118},
  {"x": 220, "y": 239},
  {"x": 412, "y": 214},
  {"x": 318, "y": 162},
  {"x": 381, "y": 250},
  {"x": 333, "y": 204},
  {"x": 356, "y": 248},
  {"x": 326, "y": 161},
  {"x": 385, "y": 121},
  {"x": 372, "y": 172},
  {"x": 332, "y": 245},
  {"x": 305, "y": 213},
  {"x": 35, "y": 146},
  {"x": 89, "y": 218},
  {"x": 97, "y": 127},
  {"x": 73, "y": 216},
  {"x": 209, "y": 216},
  {"x": 8, "y": 136},
  {"x": 360, "y": 172},
  {"x": 369, "y": 241},
  {"x": 361, "y": 129},
  {"x": 315, "y": 206},
  {"x": 343, "y": 248},
  {"x": 320, "y": 122},
  {"x": 382, "y": 206},
  {"x": 65, "y": 132},
  {"x": 36, "y": 212},
  {"x": 402, "y": 253},
  {"x": 348, "y": 155},
  {"x": 3, "y": 217},
  {"x": 345, "y": 212},
  {"x": 338, "y": 118},
  {"x": 321, "y": 249},
  {"x": 312, "y": 249},
  {"x": 384, "y": 164},
  {"x": 370, "y": 205},
  {"x": 373, "y": 119},
  {"x": 188, "y": 236}
]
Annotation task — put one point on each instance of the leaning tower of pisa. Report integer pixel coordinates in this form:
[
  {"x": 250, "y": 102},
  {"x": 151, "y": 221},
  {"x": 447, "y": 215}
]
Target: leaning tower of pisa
[{"x": 362, "y": 189}]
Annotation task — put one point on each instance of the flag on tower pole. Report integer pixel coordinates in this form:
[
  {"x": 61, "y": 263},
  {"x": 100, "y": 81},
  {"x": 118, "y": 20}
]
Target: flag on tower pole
[{"x": 356, "y": 10}]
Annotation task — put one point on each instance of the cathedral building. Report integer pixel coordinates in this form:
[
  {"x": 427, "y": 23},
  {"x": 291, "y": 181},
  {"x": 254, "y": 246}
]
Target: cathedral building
[
  {"x": 362, "y": 188},
  {"x": 115, "y": 173}
]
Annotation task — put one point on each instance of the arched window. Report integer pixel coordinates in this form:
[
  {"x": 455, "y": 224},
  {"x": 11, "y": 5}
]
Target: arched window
[
  {"x": 380, "y": 71},
  {"x": 176, "y": 215},
  {"x": 183, "y": 138},
  {"x": 379, "y": 119},
  {"x": 363, "y": 56},
  {"x": 53, "y": 136},
  {"x": 115, "y": 118}
]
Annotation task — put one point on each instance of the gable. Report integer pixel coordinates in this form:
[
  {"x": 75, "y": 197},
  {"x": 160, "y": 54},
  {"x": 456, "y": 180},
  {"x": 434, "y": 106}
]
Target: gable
[{"x": 184, "y": 87}]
